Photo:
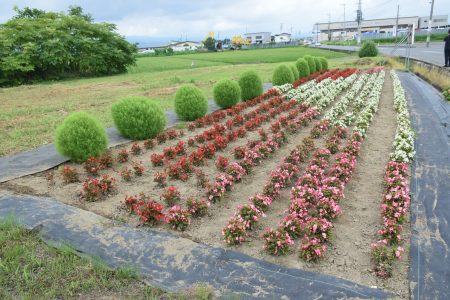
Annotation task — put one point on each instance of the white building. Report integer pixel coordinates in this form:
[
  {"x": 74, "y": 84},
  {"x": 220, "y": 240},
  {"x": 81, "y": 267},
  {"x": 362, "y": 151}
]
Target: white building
[
  {"x": 387, "y": 26},
  {"x": 258, "y": 37},
  {"x": 438, "y": 22},
  {"x": 185, "y": 46},
  {"x": 281, "y": 38}
]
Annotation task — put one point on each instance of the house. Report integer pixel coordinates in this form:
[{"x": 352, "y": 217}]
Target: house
[
  {"x": 281, "y": 38},
  {"x": 184, "y": 46},
  {"x": 258, "y": 37}
]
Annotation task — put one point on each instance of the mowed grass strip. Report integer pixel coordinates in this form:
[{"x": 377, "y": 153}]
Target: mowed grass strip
[
  {"x": 29, "y": 269},
  {"x": 29, "y": 114}
]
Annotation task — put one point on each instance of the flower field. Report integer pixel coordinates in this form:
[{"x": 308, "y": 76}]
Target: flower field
[{"x": 269, "y": 176}]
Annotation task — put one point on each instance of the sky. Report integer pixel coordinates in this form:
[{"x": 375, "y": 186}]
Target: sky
[{"x": 158, "y": 21}]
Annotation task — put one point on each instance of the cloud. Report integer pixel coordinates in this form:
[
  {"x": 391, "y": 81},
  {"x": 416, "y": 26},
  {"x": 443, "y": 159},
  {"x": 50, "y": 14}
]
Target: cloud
[{"x": 195, "y": 18}]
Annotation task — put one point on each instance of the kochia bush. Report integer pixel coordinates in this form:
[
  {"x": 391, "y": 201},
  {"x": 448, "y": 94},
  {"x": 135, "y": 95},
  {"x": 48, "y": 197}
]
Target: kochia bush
[
  {"x": 251, "y": 85},
  {"x": 282, "y": 75},
  {"x": 311, "y": 63},
  {"x": 190, "y": 103},
  {"x": 302, "y": 67},
  {"x": 324, "y": 63},
  {"x": 138, "y": 117},
  {"x": 227, "y": 93},
  {"x": 80, "y": 136},
  {"x": 318, "y": 63},
  {"x": 368, "y": 49},
  {"x": 294, "y": 71}
]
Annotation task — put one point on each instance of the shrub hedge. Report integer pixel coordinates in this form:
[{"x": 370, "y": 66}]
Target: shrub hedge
[
  {"x": 318, "y": 63},
  {"x": 282, "y": 75},
  {"x": 80, "y": 136},
  {"x": 294, "y": 71},
  {"x": 302, "y": 67},
  {"x": 227, "y": 93},
  {"x": 190, "y": 103},
  {"x": 138, "y": 117},
  {"x": 311, "y": 63},
  {"x": 251, "y": 85},
  {"x": 324, "y": 63},
  {"x": 368, "y": 49}
]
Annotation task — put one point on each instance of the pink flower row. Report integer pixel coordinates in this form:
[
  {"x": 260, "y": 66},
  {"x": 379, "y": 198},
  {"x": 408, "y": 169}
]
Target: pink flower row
[{"x": 394, "y": 208}]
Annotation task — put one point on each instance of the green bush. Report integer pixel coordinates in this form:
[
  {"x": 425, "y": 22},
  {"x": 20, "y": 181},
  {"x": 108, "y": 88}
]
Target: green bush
[
  {"x": 311, "y": 63},
  {"x": 318, "y": 63},
  {"x": 138, "y": 117},
  {"x": 302, "y": 67},
  {"x": 227, "y": 93},
  {"x": 251, "y": 85},
  {"x": 190, "y": 103},
  {"x": 324, "y": 63},
  {"x": 80, "y": 136},
  {"x": 294, "y": 71},
  {"x": 368, "y": 49},
  {"x": 282, "y": 75}
]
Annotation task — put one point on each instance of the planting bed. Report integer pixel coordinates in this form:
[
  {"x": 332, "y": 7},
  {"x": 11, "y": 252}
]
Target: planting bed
[{"x": 268, "y": 178}]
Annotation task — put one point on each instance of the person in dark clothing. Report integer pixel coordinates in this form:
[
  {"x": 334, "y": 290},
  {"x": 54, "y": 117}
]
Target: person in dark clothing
[{"x": 447, "y": 50}]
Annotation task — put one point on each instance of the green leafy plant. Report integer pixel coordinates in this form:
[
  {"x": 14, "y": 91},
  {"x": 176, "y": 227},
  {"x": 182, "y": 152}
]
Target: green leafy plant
[
  {"x": 80, "y": 136},
  {"x": 251, "y": 85},
  {"x": 227, "y": 93},
  {"x": 190, "y": 103},
  {"x": 311, "y": 63},
  {"x": 294, "y": 71},
  {"x": 318, "y": 63},
  {"x": 138, "y": 117},
  {"x": 323, "y": 62},
  {"x": 282, "y": 75},
  {"x": 368, "y": 49},
  {"x": 302, "y": 67},
  {"x": 446, "y": 93}
]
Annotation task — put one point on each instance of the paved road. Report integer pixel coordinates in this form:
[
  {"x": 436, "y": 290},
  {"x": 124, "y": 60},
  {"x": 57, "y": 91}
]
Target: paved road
[{"x": 434, "y": 54}]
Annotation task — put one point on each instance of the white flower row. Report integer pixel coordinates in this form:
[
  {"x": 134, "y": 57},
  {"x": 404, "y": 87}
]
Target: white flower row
[
  {"x": 342, "y": 105},
  {"x": 326, "y": 94},
  {"x": 282, "y": 89},
  {"x": 371, "y": 105},
  {"x": 404, "y": 135}
]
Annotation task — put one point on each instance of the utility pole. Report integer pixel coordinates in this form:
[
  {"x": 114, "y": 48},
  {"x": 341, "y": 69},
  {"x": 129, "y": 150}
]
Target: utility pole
[
  {"x": 359, "y": 20},
  {"x": 317, "y": 32},
  {"x": 281, "y": 27},
  {"x": 429, "y": 24},
  {"x": 345, "y": 32},
  {"x": 329, "y": 32},
  {"x": 396, "y": 23}
]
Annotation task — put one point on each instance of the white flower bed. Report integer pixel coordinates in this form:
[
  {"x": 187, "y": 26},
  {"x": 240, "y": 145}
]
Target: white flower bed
[
  {"x": 404, "y": 135},
  {"x": 371, "y": 105}
]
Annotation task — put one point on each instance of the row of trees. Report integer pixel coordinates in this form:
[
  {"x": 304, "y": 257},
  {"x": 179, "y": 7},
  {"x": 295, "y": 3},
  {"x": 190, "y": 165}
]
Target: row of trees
[
  {"x": 237, "y": 41},
  {"x": 36, "y": 44}
]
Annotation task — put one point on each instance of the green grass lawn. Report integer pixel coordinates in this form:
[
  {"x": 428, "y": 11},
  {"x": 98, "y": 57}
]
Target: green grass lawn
[
  {"x": 29, "y": 114},
  {"x": 29, "y": 269}
]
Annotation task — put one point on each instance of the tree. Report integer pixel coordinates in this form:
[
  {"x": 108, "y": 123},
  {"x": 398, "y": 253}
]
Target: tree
[
  {"x": 210, "y": 43},
  {"x": 238, "y": 41},
  {"x": 36, "y": 44}
]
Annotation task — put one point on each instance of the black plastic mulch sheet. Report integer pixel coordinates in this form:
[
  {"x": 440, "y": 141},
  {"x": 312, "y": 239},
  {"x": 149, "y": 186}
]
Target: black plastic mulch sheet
[
  {"x": 430, "y": 189},
  {"x": 175, "y": 263}
]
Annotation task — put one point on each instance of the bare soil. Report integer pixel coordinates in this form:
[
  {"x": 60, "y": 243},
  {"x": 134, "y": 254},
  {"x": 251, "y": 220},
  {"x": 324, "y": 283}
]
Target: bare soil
[{"x": 348, "y": 255}]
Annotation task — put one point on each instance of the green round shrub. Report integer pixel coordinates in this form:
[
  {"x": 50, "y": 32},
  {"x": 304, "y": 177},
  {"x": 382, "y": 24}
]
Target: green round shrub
[
  {"x": 324, "y": 63},
  {"x": 282, "y": 75},
  {"x": 302, "y": 67},
  {"x": 138, "y": 117},
  {"x": 190, "y": 103},
  {"x": 251, "y": 85},
  {"x": 311, "y": 63},
  {"x": 294, "y": 71},
  {"x": 318, "y": 63},
  {"x": 227, "y": 93},
  {"x": 368, "y": 49},
  {"x": 80, "y": 136}
]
